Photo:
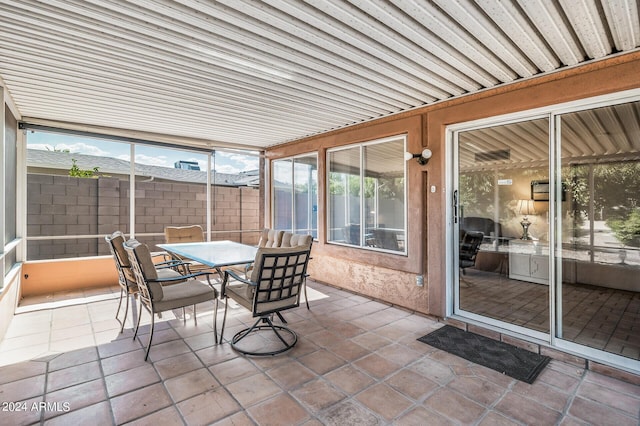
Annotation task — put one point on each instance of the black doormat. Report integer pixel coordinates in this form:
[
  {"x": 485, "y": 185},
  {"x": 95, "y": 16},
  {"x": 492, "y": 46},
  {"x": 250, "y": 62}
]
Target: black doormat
[{"x": 502, "y": 357}]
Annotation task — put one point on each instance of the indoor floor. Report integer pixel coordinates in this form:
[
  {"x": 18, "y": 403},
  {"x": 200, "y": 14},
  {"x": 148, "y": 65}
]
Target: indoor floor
[
  {"x": 597, "y": 317},
  {"x": 357, "y": 361}
]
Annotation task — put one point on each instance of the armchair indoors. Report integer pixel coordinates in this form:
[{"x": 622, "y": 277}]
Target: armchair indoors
[
  {"x": 469, "y": 247},
  {"x": 126, "y": 277},
  {"x": 157, "y": 298},
  {"x": 274, "y": 286}
]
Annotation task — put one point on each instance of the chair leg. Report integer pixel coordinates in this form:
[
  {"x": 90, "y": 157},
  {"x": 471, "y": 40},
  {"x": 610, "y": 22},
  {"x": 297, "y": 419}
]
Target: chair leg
[
  {"x": 215, "y": 320},
  {"x": 125, "y": 311},
  {"x": 306, "y": 298},
  {"x": 146, "y": 355},
  {"x": 135, "y": 333},
  {"x": 224, "y": 319},
  {"x": 281, "y": 317}
]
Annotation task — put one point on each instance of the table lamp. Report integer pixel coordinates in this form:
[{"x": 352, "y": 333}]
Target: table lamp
[{"x": 526, "y": 208}]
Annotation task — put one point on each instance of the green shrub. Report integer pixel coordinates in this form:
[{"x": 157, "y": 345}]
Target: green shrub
[{"x": 627, "y": 230}]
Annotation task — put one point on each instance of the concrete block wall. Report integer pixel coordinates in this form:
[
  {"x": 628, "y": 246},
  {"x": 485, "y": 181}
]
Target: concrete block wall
[{"x": 67, "y": 206}]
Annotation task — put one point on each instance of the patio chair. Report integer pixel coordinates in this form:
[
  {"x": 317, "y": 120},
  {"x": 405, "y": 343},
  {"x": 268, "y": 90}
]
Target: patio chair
[
  {"x": 126, "y": 278},
  {"x": 303, "y": 241},
  {"x": 186, "y": 234},
  {"x": 158, "y": 297},
  {"x": 274, "y": 286},
  {"x": 270, "y": 238}
]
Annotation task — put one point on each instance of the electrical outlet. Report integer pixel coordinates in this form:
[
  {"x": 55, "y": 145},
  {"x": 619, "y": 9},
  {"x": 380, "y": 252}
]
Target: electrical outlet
[{"x": 419, "y": 280}]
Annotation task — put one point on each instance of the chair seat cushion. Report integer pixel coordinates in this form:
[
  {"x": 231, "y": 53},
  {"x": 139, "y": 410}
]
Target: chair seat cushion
[
  {"x": 243, "y": 295},
  {"x": 184, "y": 294}
]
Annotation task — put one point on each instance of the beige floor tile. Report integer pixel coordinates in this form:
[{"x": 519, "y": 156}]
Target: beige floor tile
[
  {"x": 76, "y": 397},
  {"x": 233, "y": 370},
  {"x": 191, "y": 384},
  {"x": 420, "y": 416},
  {"x": 69, "y": 358},
  {"x": 208, "y": 407},
  {"x": 73, "y": 375},
  {"x": 279, "y": 410},
  {"x": 23, "y": 389},
  {"x": 349, "y": 412},
  {"x": 477, "y": 389},
  {"x": 385, "y": 401},
  {"x": 526, "y": 411},
  {"x": 321, "y": 361},
  {"x": 349, "y": 379},
  {"x": 23, "y": 370},
  {"x": 97, "y": 414},
  {"x": 177, "y": 365},
  {"x": 318, "y": 395},
  {"x": 291, "y": 375},
  {"x": 455, "y": 406},
  {"x": 377, "y": 366},
  {"x": 168, "y": 416},
  {"x": 253, "y": 389},
  {"x": 139, "y": 403},
  {"x": 129, "y": 380},
  {"x": 411, "y": 384}
]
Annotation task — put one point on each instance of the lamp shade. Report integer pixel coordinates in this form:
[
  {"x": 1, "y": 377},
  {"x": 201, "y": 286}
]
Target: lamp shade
[{"x": 526, "y": 207}]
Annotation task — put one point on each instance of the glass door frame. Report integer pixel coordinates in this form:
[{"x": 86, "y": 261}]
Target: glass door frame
[
  {"x": 453, "y": 227},
  {"x": 452, "y": 294}
]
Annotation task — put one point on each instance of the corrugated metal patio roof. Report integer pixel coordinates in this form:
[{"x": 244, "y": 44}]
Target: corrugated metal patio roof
[{"x": 260, "y": 73}]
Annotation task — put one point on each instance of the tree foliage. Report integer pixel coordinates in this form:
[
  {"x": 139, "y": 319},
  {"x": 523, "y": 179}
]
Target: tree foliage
[{"x": 76, "y": 171}]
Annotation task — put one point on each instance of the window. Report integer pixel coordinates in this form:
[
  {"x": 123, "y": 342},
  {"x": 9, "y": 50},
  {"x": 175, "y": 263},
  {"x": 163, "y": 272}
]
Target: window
[
  {"x": 367, "y": 195},
  {"x": 295, "y": 194}
]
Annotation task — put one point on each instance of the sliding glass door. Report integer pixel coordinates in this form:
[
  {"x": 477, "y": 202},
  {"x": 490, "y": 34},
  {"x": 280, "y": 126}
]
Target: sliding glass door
[
  {"x": 546, "y": 235},
  {"x": 502, "y": 224},
  {"x": 599, "y": 223}
]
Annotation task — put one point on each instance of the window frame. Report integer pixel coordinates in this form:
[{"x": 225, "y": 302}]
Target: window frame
[
  {"x": 293, "y": 186},
  {"x": 361, "y": 146}
]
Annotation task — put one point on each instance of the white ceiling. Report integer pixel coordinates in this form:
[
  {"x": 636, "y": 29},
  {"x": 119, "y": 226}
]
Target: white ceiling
[{"x": 260, "y": 73}]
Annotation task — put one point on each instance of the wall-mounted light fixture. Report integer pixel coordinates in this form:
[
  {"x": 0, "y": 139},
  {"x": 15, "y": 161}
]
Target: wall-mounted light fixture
[{"x": 422, "y": 158}]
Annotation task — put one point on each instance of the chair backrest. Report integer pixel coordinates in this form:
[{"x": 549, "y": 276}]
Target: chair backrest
[
  {"x": 469, "y": 246},
  {"x": 144, "y": 270},
  {"x": 290, "y": 239},
  {"x": 120, "y": 257},
  {"x": 278, "y": 273},
  {"x": 270, "y": 238},
  {"x": 184, "y": 234},
  {"x": 385, "y": 239}
]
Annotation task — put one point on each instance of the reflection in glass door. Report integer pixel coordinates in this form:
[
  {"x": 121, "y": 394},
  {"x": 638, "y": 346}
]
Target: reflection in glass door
[
  {"x": 503, "y": 225},
  {"x": 599, "y": 250}
]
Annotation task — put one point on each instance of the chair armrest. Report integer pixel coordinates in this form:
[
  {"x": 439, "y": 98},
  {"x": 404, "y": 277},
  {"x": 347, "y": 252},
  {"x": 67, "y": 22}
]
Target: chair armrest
[
  {"x": 183, "y": 277},
  {"x": 170, "y": 264},
  {"x": 227, "y": 274}
]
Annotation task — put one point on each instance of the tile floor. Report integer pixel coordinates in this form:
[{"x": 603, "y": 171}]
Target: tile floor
[
  {"x": 602, "y": 318},
  {"x": 357, "y": 362}
]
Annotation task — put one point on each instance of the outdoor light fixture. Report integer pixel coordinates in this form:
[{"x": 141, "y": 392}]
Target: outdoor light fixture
[
  {"x": 422, "y": 158},
  {"x": 525, "y": 208}
]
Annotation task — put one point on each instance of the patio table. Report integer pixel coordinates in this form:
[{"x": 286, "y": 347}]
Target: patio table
[{"x": 214, "y": 254}]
